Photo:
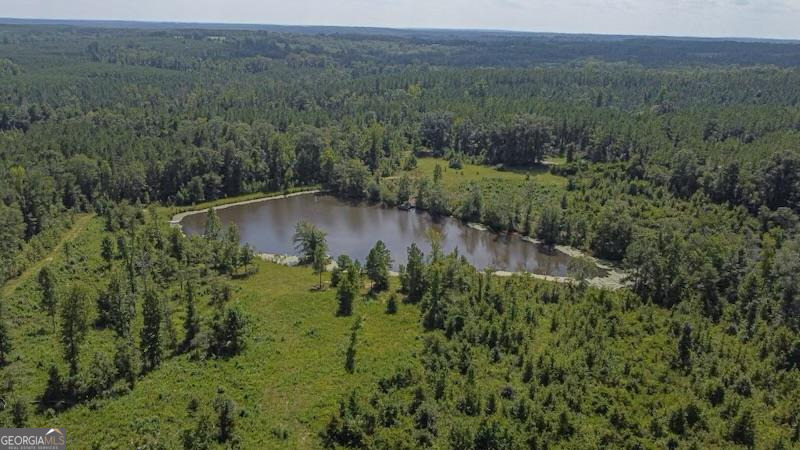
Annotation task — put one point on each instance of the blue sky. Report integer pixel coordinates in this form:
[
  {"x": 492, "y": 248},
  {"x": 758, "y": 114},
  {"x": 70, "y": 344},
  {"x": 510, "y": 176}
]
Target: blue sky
[{"x": 740, "y": 18}]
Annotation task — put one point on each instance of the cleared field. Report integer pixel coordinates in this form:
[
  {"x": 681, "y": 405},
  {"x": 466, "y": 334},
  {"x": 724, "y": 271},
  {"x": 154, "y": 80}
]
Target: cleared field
[
  {"x": 452, "y": 179},
  {"x": 287, "y": 382}
]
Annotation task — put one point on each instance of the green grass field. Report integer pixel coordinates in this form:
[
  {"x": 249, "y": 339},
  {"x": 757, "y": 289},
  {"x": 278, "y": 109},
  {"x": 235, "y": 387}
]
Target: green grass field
[
  {"x": 454, "y": 179},
  {"x": 289, "y": 378},
  {"x": 286, "y": 383}
]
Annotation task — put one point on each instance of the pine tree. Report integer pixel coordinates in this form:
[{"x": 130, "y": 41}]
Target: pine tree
[
  {"x": 125, "y": 361},
  {"x": 213, "y": 225},
  {"x": 347, "y": 290},
  {"x": 19, "y": 413},
  {"x": 391, "y": 305},
  {"x": 415, "y": 271},
  {"x": 228, "y": 331},
  {"x": 404, "y": 189},
  {"x": 437, "y": 174},
  {"x": 5, "y": 339},
  {"x": 168, "y": 327},
  {"x": 74, "y": 324},
  {"x": 378, "y": 262},
  {"x": 47, "y": 284},
  {"x": 432, "y": 303},
  {"x": 123, "y": 311},
  {"x": 350, "y": 354},
  {"x": 220, "y": 294},
  {"x": 107, "y": 250},
  {"x": 246, "y": 257},
  {"x": 201, "y": 436},
  {"x": 685, "y": 347},
  {"x": 54, "y": 390},
  {"x": 231, "y": 250},
  {"x": 312, "y": 244},
  {"x": 743, "y": 429},
  {"x": 342, "y": 263},
  {"x": 548, "y": 228},
  {"x": 151, "y": 331},
  {"x": 320, "y": 261},
  {"x": 5, "y": 342},
  {"x": 122, "y": 247},
  {"x": 110, "y": 302},
  {"x": 191, "y": 324},
  {"x": 527, "y": 373},
  {"x": 226, "y": 418},
  {"x": 403, "y": 276}
]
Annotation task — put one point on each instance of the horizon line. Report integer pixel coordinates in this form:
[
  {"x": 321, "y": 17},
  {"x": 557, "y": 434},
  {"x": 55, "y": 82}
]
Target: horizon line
[{"x": 209, "y": 25}]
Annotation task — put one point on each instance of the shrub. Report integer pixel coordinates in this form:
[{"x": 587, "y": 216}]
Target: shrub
[{"x": 391, "y": 305}]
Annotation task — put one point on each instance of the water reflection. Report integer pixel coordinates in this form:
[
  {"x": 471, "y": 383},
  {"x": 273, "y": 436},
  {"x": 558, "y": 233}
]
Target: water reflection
[{"x": 354, "y": 228}]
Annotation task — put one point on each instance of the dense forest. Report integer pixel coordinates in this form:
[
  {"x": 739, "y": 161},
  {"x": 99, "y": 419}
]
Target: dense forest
[{"x": 675, "y": 159}]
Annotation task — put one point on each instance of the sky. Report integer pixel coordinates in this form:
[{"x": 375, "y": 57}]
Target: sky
[{"x": 706, "y": 18}]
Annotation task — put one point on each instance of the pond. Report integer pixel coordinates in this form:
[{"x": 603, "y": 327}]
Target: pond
[{"x": 353, "y": 229}]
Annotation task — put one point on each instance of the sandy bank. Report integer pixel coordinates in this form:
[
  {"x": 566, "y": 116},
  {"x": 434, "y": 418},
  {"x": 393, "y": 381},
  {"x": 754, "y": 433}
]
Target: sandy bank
[{"x": 613, "y": 281}]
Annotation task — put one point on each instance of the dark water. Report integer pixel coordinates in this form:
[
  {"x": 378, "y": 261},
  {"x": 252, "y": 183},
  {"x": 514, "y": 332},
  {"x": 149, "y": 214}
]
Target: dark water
[{"x": 353, "y": 230}]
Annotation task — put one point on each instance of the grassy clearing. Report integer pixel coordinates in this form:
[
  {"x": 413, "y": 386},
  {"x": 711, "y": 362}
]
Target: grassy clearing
[
  {"x": 287, "y": 381},
  {"x": 454, "y": 179},
  {"x": 35, "y": 346},
  {"x": 80, "y": 223},
  {"x": 555, "y": 160}
]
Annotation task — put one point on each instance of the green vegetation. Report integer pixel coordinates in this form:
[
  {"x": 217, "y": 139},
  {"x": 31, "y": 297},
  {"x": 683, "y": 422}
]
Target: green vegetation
[
  {"x": 293, "y": 395},
  {"x": 676, "y": 159},
  {"x": 379, "y": 261},
  {"x": 312, "y": 245},
  {"x": 516, "y": 363}
]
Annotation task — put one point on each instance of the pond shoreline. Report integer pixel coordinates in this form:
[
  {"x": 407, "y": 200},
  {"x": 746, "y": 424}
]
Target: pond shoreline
[
  {"x": 614, "y": 278},
  {"x": 177, "y": 218}
]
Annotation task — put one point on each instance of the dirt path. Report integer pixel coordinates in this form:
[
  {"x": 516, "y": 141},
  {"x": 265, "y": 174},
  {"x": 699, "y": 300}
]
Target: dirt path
[{"x": 81, "y": 220}]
